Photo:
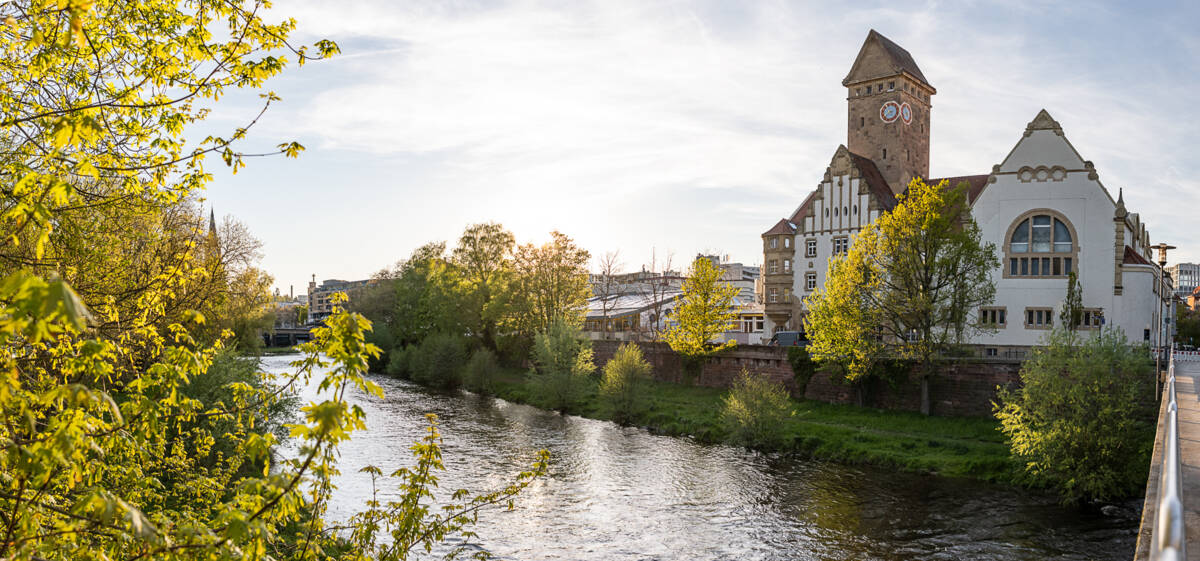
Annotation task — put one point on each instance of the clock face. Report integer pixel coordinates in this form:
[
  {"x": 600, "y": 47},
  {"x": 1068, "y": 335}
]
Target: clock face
[
  {"x": 906, "y": 113},
  {"x": 889, "y": 112}
]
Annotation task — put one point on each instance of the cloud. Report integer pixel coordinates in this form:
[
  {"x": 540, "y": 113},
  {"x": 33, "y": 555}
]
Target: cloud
[{"x": 692, "y": 124}]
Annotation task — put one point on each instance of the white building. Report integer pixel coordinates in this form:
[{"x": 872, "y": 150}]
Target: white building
[{"x": 1043, "y": 207}]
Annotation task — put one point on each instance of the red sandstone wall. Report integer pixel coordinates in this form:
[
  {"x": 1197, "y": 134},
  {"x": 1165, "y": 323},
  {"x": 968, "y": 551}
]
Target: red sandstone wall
[{"x": 962, "y": 387}]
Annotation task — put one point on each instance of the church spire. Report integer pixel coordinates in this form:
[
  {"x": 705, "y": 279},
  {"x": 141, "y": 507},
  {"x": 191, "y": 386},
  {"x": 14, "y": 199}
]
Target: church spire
[{"x": 212, "y": 222}]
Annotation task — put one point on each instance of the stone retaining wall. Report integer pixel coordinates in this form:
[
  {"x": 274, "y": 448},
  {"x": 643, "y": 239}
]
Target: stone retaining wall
[{"x": 963, "y": 387}]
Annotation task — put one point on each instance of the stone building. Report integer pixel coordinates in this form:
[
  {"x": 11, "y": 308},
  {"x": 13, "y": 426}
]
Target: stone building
[{"x": 1043, "y": 206}]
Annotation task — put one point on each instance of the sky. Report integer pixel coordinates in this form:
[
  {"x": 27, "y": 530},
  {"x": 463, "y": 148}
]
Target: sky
[{"x": 675, "y": 127}]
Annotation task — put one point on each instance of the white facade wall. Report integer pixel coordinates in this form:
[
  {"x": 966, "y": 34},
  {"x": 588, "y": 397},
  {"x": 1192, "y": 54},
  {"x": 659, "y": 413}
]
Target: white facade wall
[
  {"x": 1069, "y": 188},
  {"x": 842, "y": 211}
]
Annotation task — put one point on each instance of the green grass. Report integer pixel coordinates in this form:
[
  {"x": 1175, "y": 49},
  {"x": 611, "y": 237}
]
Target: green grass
[{"x": 948, "y": 446}]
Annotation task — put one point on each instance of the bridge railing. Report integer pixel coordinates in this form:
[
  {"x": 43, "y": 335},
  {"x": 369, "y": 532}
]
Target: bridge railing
[{"x": 1169, "y": 540}]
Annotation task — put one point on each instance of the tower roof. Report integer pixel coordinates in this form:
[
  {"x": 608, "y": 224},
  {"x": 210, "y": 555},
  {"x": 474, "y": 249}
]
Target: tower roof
[{"x": 880, "y": 57}]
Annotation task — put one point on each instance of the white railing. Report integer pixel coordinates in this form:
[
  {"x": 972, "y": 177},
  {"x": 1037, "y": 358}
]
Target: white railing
[{"x": 1169, "y": 541}]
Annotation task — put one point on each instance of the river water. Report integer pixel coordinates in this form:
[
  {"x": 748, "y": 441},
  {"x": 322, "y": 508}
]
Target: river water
[{"x": 618, "y": 493}]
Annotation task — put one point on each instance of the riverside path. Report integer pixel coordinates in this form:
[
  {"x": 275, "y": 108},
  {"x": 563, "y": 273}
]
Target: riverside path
[{"x": 1187, "y": 396}]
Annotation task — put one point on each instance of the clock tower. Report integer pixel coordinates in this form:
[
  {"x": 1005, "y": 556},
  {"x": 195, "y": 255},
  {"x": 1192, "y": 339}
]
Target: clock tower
[{"x": 888, "y": 111}]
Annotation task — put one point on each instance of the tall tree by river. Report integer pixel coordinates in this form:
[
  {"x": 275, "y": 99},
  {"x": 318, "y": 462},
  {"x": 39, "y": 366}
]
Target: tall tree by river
[{"x": 122, "y": 439}]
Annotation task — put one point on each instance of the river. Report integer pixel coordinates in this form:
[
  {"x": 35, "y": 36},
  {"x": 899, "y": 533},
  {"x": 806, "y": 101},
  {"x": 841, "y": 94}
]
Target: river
[{"x": 619, "y": 493}]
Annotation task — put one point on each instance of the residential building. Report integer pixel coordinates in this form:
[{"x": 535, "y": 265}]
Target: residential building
[
  {"x": 1043, "y": 206},
  {"x": 320, "y": 301}
]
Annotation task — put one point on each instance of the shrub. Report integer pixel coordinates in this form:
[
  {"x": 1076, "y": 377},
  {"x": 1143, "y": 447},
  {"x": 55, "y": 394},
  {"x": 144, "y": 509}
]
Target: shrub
[
  {"x": 439, "y": 361},
  {"x": 803, "y": 367},
  {"x": 1083, "y": 421},
  {"x": 755, "y": 409},
  {"x": 621, "y": 387},
  {"x": 400, "y": 361},
  {"x": 480, "y": 373},
  {"x": 562, "y": 362}
]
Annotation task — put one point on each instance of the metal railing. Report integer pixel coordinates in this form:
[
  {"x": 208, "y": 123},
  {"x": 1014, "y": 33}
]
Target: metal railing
[{"x": 1169, "y": 527}]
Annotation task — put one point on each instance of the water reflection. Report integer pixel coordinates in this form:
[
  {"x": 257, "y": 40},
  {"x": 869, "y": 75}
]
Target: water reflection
[{"x": 622, "y": 493}]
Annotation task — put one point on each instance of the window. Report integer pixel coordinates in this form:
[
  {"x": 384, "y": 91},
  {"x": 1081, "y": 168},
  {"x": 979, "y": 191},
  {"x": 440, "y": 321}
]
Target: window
[
  {"x": 773, "y": 295},
  {"x": 862, "y": 121},
  {"x": 774, "y": 243},
  {"x": 993, "y": 317},
  {"x": 885, "y": 153},
  {"x": 1041, "y": 245},
  {"x": 787, "y": 265},
  {"x": 835, "y": 211},
  {"x": 1039, "y": 318},
  {"x": 991, "y": 351},
  {"x": 845, "y": 211},
  {"x": 857, "y": 91},
  {"x": 787, "y": 242},
  {"x": 868, "y": 90},
  {"x": 840, "y": 245},
  {"x": 787, "y": 295},
  {"x": 773, "y": 266},
  {"x": 1092, "y": 319},
  {"x": 810, "y": 248},
  {"x": 855, "y": 210},
  {"x": 810, "y": 281},
  {"x": 758, "y": 324},
  {"x": 891, "y": 86}
]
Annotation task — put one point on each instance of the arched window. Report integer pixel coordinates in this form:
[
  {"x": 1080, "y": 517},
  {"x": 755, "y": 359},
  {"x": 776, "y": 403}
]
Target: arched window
[{"x": 1041, "y": 243}]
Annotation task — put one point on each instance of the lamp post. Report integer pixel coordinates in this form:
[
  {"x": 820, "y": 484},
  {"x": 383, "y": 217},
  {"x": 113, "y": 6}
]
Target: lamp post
[{"x": 1162, "y": 286}]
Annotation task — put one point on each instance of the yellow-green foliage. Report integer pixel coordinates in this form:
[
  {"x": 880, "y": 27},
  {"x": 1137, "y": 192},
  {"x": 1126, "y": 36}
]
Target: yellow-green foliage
[
  {"x": 623, "y": 383},
  {"x": 113, "y": 445},
  {"x": 704, "y": 312},
  {"x": 1082, "y": 420},
  {"x": 755, "y": 410},
  {"x": 562, "y": 362},
  {"x": 911, "y": 279}
]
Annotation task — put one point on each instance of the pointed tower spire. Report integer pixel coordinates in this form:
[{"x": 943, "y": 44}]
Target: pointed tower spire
[
  {"x": 1120, "y": 210},
  {"x": 212, "y": 222}
]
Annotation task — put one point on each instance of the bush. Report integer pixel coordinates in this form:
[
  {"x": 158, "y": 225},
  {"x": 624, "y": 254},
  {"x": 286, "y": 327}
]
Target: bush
[
  {"x": 400, "y": 362},
  {"x": 562, "y": 362},
  {"x": 621, "y": 388},
  {"x": 439, "y": 361},
  {"x": 480, "y": 373},
  {"x": 803, "y": 367},
  {"x": 754, "y": 411},
  {"x": 380, "y": 336},
  {"x": 1083, "y": 422}
]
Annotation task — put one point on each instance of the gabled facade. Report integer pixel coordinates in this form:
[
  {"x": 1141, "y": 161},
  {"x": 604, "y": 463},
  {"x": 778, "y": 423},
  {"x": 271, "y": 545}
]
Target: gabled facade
[
  {"x": 1049, "y": 215},
  {"x": 1043, "y": 207}
]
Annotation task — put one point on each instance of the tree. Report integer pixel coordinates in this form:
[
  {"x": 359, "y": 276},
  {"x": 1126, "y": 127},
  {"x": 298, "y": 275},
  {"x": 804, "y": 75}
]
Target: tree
[
  {"x": 607, "y": 288},
  {"x": 655, "y": 289},
  {"x": 1072, "y": 307},
  {"x": 704, "y": 312},
  {"x": 551, "y": 283},
  {"x": 111, "y": 450},
  {"x": 1187, "y": 325},
  {"x": 622, "y": 386},
  {"x": 562, "y": 362},
  {"x": 912, "y": 279},
  {"x": 1081, "y": 420},
  {"x": 483, "y": 259}
]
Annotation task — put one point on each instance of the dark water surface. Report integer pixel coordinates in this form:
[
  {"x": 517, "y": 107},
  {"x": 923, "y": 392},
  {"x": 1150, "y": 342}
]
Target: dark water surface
[{"x": 618, "y": 493}]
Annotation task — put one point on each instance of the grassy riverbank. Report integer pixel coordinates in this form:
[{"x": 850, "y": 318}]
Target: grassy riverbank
[{"x": 956, "y": 447}]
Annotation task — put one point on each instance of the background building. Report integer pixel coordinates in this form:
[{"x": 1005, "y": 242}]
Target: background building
[
  {"x": 1043, "y": 207},
  {"x": 320, "y": 305},
  {"x": 1186, "y": 277}
]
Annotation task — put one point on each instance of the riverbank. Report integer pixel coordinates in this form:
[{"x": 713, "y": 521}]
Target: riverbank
[{"x": 946, "y": 446}]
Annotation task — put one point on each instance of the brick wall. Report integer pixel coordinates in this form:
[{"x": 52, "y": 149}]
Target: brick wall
[{"x": 962, "y": 388}]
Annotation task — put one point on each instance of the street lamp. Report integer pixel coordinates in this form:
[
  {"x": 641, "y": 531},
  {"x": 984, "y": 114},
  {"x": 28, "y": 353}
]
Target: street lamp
[{"x": 1162, "y": 286}]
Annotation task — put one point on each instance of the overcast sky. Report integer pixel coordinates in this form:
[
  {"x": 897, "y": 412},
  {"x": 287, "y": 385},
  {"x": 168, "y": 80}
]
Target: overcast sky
[{"x": 677, "y": 126}]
